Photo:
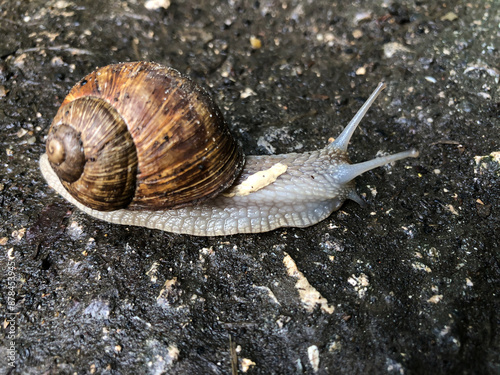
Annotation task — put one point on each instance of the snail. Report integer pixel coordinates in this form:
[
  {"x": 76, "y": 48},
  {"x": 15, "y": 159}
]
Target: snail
[{"x": 140, "y": 144}]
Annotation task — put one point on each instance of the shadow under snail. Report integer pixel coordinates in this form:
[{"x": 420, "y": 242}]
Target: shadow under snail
[{"x": 140, "y": 144}]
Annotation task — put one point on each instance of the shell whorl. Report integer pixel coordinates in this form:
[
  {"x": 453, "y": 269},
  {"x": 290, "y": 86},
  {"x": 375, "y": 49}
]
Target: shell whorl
[
  {"x": 101, "y": 154},
  {"x": 65, "y": 153},
  {"x": 183, "y": 151}
]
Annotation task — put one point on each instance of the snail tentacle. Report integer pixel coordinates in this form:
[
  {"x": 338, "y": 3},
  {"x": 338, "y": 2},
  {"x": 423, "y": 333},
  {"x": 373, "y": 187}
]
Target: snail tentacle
[
  {"x": 348, "y": 172},
  {"x": 343, "y": 139}
]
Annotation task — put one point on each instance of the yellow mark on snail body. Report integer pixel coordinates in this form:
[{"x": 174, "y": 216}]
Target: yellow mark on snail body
[{"x": 257, "y": 181}]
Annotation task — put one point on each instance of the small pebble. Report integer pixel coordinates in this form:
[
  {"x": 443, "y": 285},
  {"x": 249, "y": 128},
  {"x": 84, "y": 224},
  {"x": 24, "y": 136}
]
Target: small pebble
[
  {"x": 361, "y": 71},
  {"x": 255, "y": 42},
  {"x": 157, "y": 4}
]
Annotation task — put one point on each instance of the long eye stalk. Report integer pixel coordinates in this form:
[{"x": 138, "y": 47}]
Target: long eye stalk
[
  {"x": 347, "y": 172},
  {"x": 343, "y": 139}
]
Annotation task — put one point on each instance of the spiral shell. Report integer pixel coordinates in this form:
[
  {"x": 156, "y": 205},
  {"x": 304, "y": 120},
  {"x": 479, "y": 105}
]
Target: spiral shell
[{"x": 142, "y": 136}]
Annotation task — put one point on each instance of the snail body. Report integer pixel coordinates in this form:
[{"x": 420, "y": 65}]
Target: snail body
[{"x": 255, "y": 195}]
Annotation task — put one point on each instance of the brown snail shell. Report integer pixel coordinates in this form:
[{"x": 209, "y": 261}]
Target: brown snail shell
[{"x": 142, "y": 136}]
